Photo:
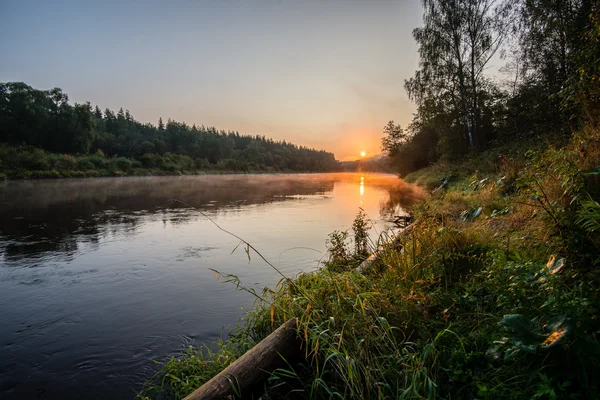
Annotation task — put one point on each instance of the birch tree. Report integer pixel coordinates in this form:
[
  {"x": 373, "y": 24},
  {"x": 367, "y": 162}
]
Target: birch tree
[{"x": 456, "y": 44}]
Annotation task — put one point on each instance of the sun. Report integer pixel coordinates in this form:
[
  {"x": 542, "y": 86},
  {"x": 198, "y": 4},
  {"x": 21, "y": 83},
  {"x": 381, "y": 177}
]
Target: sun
[{"x": 362, "y": 153}]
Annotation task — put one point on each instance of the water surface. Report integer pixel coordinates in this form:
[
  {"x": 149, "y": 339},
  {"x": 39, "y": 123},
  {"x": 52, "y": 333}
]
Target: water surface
[{"x": 98, "y": 277}]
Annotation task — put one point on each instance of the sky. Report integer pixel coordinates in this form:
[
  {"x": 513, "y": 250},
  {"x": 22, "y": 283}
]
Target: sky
[{"x": 320, "y": 73}]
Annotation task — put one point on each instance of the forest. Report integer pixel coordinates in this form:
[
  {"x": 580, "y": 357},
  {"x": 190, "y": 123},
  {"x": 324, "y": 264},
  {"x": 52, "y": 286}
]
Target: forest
[
  {"x": 497, "y": 72},
  {"x": 43, "y": 135}
]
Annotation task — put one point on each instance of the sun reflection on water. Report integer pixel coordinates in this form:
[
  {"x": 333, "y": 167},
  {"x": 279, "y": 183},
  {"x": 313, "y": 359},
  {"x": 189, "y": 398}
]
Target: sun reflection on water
[{"x": 362, "y": 185}]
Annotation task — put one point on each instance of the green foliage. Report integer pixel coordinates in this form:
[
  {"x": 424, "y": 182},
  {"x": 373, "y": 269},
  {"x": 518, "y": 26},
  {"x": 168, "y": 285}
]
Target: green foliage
[
  {"x": 526, "y": 337},
  {"x": 503, "y": 304},
  {"x": 361, "y": 227},
  {"x": 341, "y": 257},
  {"x": 588, "y": 217},
  {"x": 184, "y": 374},
  {"x": 33, "y": 122},
  {"x": 26, "y": 162},
  {"x": 394, "y": 138},
  {"x": 122, "y": 163},
  {"x": 553, "y": 78},
  {"x": 337, "y": 247}
]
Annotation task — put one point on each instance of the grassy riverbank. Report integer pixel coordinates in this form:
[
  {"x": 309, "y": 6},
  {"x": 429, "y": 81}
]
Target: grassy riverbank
[
  {"x": 27, "y": 162},
  {"x": 494, "y": 294}
]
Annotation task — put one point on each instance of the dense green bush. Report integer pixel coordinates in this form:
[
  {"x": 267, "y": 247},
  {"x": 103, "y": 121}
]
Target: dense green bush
[
  {"x": 64, "y": 162},
  {"x": 32, "y": 159},
  {"x": 124, "y": 164},
  {"x": 202, "y": 163},
  {"x": 149, "y": 160},
  {"x": 96, "y": 161}
]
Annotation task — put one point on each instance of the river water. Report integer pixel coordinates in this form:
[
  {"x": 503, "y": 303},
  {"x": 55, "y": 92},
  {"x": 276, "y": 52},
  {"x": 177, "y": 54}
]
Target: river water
[{"x": 99, "y": 277}]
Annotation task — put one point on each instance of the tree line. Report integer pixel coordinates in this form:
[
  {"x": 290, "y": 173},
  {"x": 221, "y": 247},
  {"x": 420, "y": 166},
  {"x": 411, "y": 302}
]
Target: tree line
[
  {"x": 548, "y": 87},
  {"x": 41, "y": 130}
]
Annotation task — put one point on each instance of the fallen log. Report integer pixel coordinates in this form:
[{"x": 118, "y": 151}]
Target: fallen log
[
  {"x": 444, "y": 183},
  {"x": 390, "y": 243},
  {"x": 246, "y": 373},
  {"x": 402, "y": 220}
]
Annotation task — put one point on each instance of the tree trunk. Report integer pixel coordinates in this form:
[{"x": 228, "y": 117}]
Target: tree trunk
[
  {"x": 463, "y": 91},
  {"x": 247, "y": 373}
]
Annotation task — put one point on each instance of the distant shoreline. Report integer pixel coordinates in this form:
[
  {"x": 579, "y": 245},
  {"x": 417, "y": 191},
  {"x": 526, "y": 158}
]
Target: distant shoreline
[{"x": 43, "y": 175}]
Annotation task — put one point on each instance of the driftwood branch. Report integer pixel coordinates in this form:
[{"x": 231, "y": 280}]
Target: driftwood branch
[
  {"x": 390, "y": 243},
  {"x": 249, "y": 371},
  {"x": 402, "y": 220},
  {"x": 444, "y": 183}
]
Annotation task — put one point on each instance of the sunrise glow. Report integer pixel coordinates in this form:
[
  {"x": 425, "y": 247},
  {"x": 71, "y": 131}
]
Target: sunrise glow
[{"x": 362, "y": 153}]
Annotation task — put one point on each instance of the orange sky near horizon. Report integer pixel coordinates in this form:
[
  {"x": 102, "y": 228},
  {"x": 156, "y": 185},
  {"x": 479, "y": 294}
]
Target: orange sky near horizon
[
  {"x": 321, "y": 74},
  {"x": 359, "y": 140}
]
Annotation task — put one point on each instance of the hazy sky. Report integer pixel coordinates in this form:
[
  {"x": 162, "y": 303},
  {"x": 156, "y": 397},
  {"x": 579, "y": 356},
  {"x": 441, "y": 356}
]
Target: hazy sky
[{"x": 323, "y": 73}]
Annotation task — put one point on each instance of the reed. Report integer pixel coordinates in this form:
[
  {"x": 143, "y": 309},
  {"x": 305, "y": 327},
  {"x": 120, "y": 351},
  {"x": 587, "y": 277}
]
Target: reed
[{"x": 493, "y": 295}]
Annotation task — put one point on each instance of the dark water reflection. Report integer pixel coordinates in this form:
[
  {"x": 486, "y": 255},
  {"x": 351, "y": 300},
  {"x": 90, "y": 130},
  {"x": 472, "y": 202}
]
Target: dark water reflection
[{"x": 98, "y": 277}]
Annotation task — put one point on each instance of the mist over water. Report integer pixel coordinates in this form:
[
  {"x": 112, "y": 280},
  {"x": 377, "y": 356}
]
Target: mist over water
[{"x": 98, "y": 277}]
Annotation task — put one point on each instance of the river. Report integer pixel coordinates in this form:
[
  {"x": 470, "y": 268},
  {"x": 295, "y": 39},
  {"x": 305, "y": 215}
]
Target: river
[{"x": 99, "y": 277}]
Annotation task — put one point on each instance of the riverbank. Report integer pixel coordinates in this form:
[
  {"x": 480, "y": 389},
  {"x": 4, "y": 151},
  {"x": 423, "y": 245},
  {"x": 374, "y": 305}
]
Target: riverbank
[
  {"x": 27, "y": 162},
  {"x": 137, "y": 172},
  {"x": 493, "y": 294}
]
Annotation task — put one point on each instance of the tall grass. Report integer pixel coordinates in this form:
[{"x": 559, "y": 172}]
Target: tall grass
[{"x": 464, "y": 306}]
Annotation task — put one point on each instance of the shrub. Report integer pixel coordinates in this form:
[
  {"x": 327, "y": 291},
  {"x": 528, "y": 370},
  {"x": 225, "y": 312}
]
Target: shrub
[
  {"x": 64, "y": 162},
  {"x": 43, "y": 174},
  {"x": 361, "y": 227},
  {"x": 140, "y": 172},
  {"x": 84, "y": 163},
  {"x": 337, "y": 246},
  {"x": 32, "y": 159},
  {"x": 182, "y": 162},
  {"x": 202, "y": 163},
  {"x": 124, "y": 164},
  {"x": 117, "y": 172},
  {"x": 95, "y": 173},
  {"x": 97, "y": 161},
  {"x": 151, "y": 160},
  {"x": 171, "y": 166}
]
